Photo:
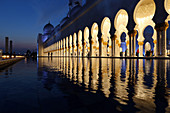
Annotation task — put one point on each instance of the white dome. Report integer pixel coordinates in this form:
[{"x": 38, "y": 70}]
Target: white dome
[{"x": 48, "y": 28}]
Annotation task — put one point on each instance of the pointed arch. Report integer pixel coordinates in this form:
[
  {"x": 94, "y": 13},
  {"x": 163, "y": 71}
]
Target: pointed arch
[
  {"x": 79, "y": 43},
  {"x": 120, "y": 23},
  {"x": 94, "y": 50},
  {"x": 70, "y": 45},
  {"x": 105, "y": 39},
  {"x": 86, "y": 45},
  {"x": 143, "y": 15},
  {"x": 75, "y": 44}
]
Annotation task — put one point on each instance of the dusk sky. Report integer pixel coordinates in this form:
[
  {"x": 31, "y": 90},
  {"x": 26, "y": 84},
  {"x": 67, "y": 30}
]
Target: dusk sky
[{"x": 22, "y": 20}]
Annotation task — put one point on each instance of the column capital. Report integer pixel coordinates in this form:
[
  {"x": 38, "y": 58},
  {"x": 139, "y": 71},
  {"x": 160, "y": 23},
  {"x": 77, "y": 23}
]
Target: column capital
[
  {"x": 162, "y": 26},
  {"x": 140, "y": 43},
  {"x": 132, "y": 33},
  {"x": 155, "y": 41},
  {"x": 114, "y": 37},
  {"x": 127, "y": 43}
]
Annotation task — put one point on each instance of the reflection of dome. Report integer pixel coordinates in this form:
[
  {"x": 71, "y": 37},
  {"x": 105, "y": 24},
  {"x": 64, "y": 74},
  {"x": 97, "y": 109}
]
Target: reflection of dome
[
  {"x": 75, "y": 10},
  {"x": 48, "y": 28}
]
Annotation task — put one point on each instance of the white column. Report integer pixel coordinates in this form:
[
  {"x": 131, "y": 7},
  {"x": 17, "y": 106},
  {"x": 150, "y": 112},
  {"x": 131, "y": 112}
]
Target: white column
[
  {"x": 140, "y": 49},
  {"x": 66, "y": 53},
  {"x": 64, "y": 46}
]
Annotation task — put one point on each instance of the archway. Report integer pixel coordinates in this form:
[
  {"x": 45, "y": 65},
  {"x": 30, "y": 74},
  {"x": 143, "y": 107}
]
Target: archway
[
  {"x": 94, "y": 40},
  {"x": 74, "y": 44},
  {"x": 70, "y": 45},
  {"x": 143, "y": 15},
  {"x": 123, "y": 45},
  {"x": 147, "y": 48},
  {"x": 148, "y": 42},
  {"x": 105, "y": 39},
  {"x": 86, "y": 45},
  {"x": 79, "y": 43},
  {"x": 120, "y": 23}
]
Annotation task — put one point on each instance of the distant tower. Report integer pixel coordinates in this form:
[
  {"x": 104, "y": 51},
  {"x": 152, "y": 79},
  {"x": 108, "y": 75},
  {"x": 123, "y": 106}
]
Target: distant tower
[
  {"x": 74, "y": 3},
  {"x": 11, "y": 47},
  {"x": 6, "y": 45}
]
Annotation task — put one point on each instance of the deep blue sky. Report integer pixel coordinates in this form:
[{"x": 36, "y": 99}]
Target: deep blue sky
[{"x": 22, "y": 20}]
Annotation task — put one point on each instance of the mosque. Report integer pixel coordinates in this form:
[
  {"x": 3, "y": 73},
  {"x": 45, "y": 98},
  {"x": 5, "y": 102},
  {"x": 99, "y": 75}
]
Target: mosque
[{"x": 105, "y": 28}]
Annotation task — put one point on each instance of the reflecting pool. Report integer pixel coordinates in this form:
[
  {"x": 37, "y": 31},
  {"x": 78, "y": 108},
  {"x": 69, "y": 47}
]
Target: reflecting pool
[
  {"x": 75, "y": 85},
  {"x": 128, "y": 84}
]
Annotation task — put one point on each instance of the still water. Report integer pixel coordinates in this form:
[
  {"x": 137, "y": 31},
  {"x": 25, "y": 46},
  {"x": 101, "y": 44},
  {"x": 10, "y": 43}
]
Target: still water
[{"x": 82, "y": 85}]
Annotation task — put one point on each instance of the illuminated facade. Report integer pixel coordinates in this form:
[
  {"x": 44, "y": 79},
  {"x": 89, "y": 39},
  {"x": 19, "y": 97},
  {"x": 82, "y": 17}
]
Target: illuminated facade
[{"x": 96, "y": 28}]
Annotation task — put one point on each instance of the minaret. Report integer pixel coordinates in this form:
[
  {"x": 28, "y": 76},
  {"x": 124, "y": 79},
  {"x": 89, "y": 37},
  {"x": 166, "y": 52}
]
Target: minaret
[{"x": 6, "y": 45}]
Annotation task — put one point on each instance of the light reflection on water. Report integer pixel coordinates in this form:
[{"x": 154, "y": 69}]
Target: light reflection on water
[{"x": 134, "y": 83}]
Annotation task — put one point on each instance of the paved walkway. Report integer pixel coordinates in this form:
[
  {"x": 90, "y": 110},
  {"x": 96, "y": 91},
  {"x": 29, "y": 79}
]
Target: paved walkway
[{"x": 8, "y": 62}]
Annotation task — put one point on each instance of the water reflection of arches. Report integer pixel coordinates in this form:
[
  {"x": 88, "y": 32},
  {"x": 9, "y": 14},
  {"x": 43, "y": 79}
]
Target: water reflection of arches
[
  {"x": 94, "y": 40},
  {"x": 120, "y": 23},
  {"x": 86, "y": 70},
  {"x": 95, "y": 71},
  {"x": 144, "y": 81},
  {"x": 105, "y": 39},
  {"x": 79, "y": 71}
]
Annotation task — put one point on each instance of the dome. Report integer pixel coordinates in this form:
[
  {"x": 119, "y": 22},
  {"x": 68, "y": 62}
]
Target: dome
[
  {"x": 48, "y": 28},
  {"x": 74, "y": 10}
]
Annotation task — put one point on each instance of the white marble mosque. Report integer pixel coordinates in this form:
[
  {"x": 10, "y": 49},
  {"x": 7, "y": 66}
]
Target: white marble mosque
[{"x": 95, "y": 29}]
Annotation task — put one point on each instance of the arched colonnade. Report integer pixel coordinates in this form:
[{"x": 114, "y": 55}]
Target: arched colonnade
[{"x": 87, "y": 42}]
